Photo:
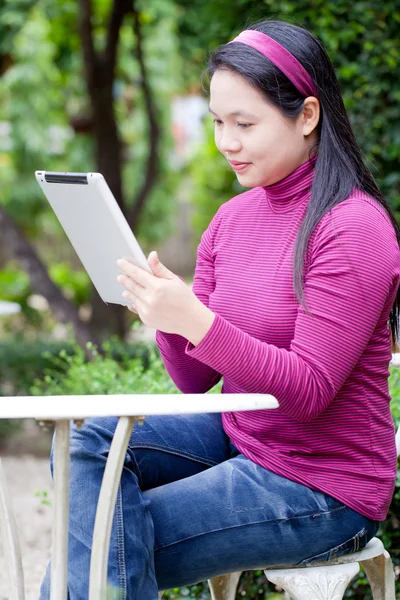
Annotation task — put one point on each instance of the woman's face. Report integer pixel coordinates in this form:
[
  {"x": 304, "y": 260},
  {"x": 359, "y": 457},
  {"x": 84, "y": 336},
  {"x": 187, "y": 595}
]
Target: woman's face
[{"x": 262, "y": 145}]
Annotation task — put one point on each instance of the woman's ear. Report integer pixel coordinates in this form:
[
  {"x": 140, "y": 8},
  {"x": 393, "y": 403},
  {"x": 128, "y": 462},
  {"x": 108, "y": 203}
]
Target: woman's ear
[{"x": 311, "y": 112}]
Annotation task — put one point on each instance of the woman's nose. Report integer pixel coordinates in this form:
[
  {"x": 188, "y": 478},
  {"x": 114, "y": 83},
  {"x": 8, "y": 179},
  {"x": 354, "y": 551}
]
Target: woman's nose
[{"x": 228, "y": 142}]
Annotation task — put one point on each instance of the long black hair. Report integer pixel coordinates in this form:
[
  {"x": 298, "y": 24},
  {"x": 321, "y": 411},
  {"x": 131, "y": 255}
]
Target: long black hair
[{"x": 340, "y": 164}]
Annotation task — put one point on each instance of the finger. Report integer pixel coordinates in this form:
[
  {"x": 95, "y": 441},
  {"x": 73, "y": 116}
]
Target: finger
[
  {"x": 132, "y": 286},
  {"x": 158, "y": 268},
  {"x": 139, "y": 307},
  {"x": 141, "y": 276},
  {"x": 130, "y": 298}
]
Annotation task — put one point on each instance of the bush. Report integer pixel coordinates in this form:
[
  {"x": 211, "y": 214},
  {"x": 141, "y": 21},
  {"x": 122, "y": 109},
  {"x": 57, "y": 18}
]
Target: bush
[
  {"x": 361, "y": 39},
  {"x": 73, "y": 374},
  {"x": 22, "y": 360}
]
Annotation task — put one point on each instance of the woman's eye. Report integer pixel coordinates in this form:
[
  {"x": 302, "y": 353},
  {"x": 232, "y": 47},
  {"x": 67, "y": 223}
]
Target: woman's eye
[{"x": 243, "y": 125}]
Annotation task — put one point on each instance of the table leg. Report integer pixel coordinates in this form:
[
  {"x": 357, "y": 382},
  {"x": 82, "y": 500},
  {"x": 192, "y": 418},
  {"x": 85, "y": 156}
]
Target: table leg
[
  {"x": 9, "y": 537},
  {"x": 106, "y": 507},
  {"x": 59, "y": 561}
]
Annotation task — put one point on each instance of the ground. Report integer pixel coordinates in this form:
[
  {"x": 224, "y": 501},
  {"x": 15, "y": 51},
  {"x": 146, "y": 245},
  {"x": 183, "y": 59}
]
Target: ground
[{"x": 25, "y": 476}]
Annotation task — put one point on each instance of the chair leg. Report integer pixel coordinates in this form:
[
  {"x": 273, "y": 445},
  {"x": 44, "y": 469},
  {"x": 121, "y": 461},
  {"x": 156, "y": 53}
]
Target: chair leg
[
  {"x": 224, "y": 587},
  {"x": 314, "y": 583},
  {"x": 380, "y": 573}
]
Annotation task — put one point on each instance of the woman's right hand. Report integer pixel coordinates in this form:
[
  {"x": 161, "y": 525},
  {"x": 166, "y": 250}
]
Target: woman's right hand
[{"x": 159, "y": 270}]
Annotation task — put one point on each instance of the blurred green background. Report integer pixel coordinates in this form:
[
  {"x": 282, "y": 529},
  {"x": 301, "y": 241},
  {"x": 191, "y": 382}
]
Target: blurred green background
[{"x": 114, "y": 86}]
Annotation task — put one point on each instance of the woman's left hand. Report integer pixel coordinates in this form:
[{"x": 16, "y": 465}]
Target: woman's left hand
[{"x": 163, "y": 301}]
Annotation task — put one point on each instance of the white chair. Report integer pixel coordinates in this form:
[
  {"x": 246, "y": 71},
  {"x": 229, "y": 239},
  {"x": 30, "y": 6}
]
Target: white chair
[{"x": 327, "y": 580}]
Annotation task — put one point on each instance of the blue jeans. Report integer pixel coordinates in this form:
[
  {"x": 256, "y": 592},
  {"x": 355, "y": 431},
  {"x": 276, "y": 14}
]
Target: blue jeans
[{"x": 190, "y": 507}]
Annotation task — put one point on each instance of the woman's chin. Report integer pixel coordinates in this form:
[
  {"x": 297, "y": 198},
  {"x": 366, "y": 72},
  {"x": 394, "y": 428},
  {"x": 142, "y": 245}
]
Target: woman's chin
[{"x": 247, "y": 180}]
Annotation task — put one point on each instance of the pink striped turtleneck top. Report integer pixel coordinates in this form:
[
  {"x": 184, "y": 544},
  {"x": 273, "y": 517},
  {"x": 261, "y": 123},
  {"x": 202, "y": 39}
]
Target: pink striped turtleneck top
[{"x": 328, "y": 368}]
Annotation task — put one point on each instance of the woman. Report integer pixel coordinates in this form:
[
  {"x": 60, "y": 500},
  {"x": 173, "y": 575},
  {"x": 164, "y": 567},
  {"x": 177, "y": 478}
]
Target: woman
[{"x": 296, "y": 295}]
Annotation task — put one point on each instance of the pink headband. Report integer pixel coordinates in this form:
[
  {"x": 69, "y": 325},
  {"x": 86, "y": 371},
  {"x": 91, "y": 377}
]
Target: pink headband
[{"x": 282, "y": 58}]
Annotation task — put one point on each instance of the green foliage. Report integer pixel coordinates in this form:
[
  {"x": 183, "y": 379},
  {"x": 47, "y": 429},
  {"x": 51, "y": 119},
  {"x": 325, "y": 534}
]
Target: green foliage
[
  {"x": 362, "y": 41},
  {"x": 73, "y": 374},
  {"x": 20, "y": 363},
  {"x": 213, "y": 180},
  {"x": 117, "y": 369},
  {"x": 199, "y": 592},
  {"x": 390, "y": 528},
  {"x": 31, "y": 73},
  {"x": 7, "y": 429},
  {"x": 15, "y": 287},
  {"x": 158, "y": 21},
  {"x": 76, "y": 284},
  {"x": 43, "y": 496},
  {"x": 43, "y": 92},
  {"x": 45, "y": 59},
  {"x": 23, "y": 361},
  {"x": 394, "y": 389},
  {"x": 43, "y": 86},
  {"x": 12, "y": 17},
  {"x": 14, "y": 284}
]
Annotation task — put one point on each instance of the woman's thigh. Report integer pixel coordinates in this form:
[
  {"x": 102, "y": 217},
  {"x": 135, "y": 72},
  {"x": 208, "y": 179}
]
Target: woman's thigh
[
  {"x": 169, "y": 448},
  {"x": 238, "y": 516},
  {"x": 164, "y": 449}
]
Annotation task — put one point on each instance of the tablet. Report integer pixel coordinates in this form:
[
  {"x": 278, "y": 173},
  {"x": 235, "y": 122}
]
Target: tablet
[{"x": 95, "y": 226}]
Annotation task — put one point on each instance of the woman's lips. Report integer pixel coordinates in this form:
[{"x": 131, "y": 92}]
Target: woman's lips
[{"x": 238, "y": 166}]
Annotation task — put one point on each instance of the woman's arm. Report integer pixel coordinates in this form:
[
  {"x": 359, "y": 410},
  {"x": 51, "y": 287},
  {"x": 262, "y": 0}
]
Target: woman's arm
[
  {"x": 351, "y": 281},
  {"x": 191, "y": 376}
]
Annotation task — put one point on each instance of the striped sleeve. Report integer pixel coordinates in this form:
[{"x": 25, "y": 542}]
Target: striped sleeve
[
  {"x": 190, "y": 375},
  {"x": 353, "y": 273}
]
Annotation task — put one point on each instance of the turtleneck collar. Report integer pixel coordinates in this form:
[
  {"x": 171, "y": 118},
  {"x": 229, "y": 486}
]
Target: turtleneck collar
[{"x": 287, "y": 193}]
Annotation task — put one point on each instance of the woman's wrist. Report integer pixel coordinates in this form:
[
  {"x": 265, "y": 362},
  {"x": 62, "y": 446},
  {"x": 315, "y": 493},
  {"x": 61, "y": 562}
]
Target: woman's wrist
[{"x": 199, "y": 324}]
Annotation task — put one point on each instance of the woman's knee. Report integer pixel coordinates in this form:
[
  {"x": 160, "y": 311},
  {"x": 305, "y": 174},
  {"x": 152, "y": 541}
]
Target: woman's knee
[{"x": 93, "y": 437}]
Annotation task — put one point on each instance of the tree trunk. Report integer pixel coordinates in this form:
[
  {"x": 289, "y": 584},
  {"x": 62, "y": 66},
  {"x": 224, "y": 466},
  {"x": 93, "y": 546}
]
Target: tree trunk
[
  {"x": 100, "y": 74},
  {"x": 106, "y": 137},
  {"x": 109, "y": 163},
  {"x": 153, "y": 162},
  {"x": 99, "y": 71},
  {"x": 62, "y": 308},
  {"x": 107, "y": 317}
]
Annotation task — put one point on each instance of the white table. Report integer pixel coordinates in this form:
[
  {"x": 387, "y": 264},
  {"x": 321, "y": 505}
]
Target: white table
[{"x": 61, "y": 409}]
